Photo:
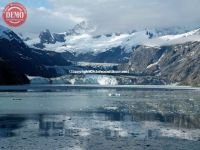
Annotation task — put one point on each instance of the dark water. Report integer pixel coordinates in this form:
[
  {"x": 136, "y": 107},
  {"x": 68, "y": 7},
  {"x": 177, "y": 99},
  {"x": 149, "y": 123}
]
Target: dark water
[{"x": 82, "y": 119}]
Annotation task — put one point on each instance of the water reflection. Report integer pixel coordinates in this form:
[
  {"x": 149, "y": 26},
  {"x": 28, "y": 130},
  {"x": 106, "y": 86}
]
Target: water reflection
[
  {"x": 9, "y": 123},
  {"x": 81, "y": 119},
  {"x": 50, "y": 125},
  {"x": 105, "y": 124},
  {"x": 178, "y": 120}
]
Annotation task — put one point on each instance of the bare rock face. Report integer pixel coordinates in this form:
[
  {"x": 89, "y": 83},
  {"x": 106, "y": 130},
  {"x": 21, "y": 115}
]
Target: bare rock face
[
  {"x": 178, "y": 63},
  {"x": 142, "y": 57},
  {"x": 49, "y": 38},
  {"x": 46, "y": 37}
]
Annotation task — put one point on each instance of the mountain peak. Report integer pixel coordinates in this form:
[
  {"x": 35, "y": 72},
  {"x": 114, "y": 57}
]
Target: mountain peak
[
  {"x": 6, "y": 33},
  {"x": 46, "y": 37},
  {"x": 2, "y": 28},
  {"x": 82, "y": 27}
]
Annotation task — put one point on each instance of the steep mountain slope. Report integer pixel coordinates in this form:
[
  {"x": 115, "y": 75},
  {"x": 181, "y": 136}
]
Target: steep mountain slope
[
  {"x": 113, "y": 55},
  {"x": 17, "y": 55},
  {"x": 177, "y": 63}
]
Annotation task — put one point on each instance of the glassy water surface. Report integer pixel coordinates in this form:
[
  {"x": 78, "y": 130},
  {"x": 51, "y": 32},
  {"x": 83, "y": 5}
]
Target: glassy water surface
[{"x": 100, "y": 119}]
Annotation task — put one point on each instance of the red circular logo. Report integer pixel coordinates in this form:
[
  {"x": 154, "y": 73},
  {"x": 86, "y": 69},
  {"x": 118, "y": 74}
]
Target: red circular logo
[{"x": 14, "y": 14}]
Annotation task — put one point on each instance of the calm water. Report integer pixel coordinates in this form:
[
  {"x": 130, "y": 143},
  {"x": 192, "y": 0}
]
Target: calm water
[{"x": 83, "y": 119}]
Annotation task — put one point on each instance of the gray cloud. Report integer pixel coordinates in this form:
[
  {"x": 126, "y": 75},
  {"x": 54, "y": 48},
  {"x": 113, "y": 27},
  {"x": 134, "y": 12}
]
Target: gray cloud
[
  {"x": 114, "y": 15},
  {"x": 123, "y": 15},
  {"x": 44, "y": 18}
]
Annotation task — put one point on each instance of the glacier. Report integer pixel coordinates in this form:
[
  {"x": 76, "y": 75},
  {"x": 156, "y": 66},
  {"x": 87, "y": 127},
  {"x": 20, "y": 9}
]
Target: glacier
[{"x": 76, "y": 80}]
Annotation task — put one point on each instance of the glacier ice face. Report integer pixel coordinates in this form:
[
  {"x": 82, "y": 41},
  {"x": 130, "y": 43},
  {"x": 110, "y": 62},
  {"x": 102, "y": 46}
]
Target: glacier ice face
[
  {"x": 85, "y": 79},
  {"x": 95, "y": 79},
  {"x": 107, "y": 80}
]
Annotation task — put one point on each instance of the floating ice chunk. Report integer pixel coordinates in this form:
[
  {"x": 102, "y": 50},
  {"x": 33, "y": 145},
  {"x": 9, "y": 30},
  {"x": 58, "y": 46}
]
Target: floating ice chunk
[
  {"x": 114, "y": 94},
  {"x": 111, "y": 108}
]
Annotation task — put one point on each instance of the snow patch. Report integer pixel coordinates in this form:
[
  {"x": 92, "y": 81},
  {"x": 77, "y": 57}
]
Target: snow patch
[{"x": 156, "y": 63}]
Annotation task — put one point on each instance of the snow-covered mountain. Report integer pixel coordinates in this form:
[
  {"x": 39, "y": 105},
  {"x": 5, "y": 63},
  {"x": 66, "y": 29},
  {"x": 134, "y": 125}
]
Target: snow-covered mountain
[
  {"x": 176, "y": 61},
  {"x": 9, "y": 35},
  {"x": 81, "y": 40},
  {"x": 22, "y": 59},
  {"x": 86, "y": 42},
  {"x": 190, "y": 36}
]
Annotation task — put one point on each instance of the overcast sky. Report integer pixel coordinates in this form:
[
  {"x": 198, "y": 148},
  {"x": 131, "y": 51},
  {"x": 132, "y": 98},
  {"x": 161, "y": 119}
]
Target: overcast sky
[{"x": 108, "y": 15}]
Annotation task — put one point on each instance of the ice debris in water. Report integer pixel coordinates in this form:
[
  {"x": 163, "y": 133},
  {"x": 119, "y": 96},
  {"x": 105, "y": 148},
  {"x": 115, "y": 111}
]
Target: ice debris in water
[{"x": 114, "y": 94}]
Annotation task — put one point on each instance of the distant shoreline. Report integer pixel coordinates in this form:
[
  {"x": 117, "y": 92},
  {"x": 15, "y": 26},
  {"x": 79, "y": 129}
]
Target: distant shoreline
[{"x": 63, "y": 87}]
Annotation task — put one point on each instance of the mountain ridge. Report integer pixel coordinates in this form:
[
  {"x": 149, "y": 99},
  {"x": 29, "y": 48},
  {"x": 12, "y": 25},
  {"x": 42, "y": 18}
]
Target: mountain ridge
[
  {"x": 178, "y": 63},
  {"x": 17, "y": 55},
  {"x": 80, "y": 42},
  {"x": 147, "y": 64}
]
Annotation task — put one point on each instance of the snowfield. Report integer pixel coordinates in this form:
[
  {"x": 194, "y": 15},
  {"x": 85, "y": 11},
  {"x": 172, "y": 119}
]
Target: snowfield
[
  {"x": 191, "y": 36},
  {"x": 87, "y": 42}
]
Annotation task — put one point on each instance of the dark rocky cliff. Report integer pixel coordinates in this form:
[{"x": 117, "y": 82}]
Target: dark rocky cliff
[
  {"x": 10, "y": 75},
  {"x": 178, "y": 63}
]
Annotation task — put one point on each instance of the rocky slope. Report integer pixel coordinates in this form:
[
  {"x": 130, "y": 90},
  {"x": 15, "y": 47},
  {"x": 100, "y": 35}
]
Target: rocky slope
[
  {"x": 18, "y": 59},
  {"x": 177, "y": 63}
]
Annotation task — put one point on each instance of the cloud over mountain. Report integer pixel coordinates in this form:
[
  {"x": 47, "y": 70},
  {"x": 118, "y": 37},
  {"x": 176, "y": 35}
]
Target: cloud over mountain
[{"x": 111, "y": 15}]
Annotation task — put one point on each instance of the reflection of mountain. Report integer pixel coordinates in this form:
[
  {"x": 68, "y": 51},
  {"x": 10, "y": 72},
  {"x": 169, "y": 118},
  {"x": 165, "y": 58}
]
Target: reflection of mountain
[
  {"x": 10, "y": 123},
  {"x": 178, "y": 120},
  {"x": 51, "y": 125},
  {"x": 107, "y": 125}
]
